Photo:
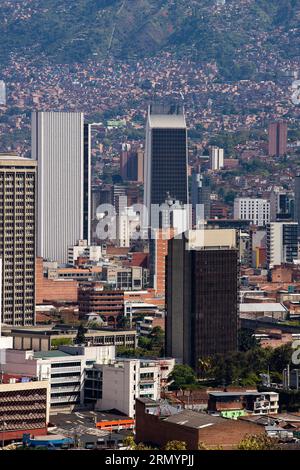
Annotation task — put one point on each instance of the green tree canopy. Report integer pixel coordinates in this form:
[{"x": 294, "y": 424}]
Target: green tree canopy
[{"x": 182, "y": 376}]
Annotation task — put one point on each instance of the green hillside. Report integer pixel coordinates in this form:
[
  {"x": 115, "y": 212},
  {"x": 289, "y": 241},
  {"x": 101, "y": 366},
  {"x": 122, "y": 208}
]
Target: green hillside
[{"x": 65, "y": 31}]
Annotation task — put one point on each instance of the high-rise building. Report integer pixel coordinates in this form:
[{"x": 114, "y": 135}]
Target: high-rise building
[
  {"x": 174, "y": 221},
  {"x": 132, "y": 163},
  {"x": 165, "y": 156},
  {"x": 278, "y": 132},
  {"x": 297, "y": 202},
  {"x": 200, "y": 197},
  {"x": 63, "y": 182},
  {"x": 216, "y": 158},
  {"x": 87, "y": 182},
  {"x": 282, "y": 243},
  {"x": 255, "y": 210},
  {"x": 158, "y": 250},
  {"x": 17, "y": 239},
  {"x": 281, "y": 206},
  {"x": 2, "y": 93},
  {"x": 202, "y": 296}
]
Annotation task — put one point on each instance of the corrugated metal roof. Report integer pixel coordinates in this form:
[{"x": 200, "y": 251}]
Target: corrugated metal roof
[{"x": 261, "y": 307}]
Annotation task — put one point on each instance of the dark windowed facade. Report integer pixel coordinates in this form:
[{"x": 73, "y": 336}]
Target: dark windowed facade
[
  {"x": 202, "y": 302},
  {"x": 86, "y": 183},
  {"x": 165, "y": 162},
  {"x": 169, "y": 165}
]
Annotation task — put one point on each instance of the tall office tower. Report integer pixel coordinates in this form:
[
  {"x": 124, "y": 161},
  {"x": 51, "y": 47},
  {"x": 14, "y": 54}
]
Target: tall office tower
[
  {"x": 17, "y": 239},
  {"x": 200, "y": 196},
  {"x": 87, "y": 182},
  {"x": 202, "y": 296},
  {"x": 255, "y": 210},
  {"x": 158, "y": 250},
  {"x": 216, "y": 158},
  {"x": 2, "y": 93},
  {"x": 278, "y": 139},
  {"x": 119, "y": 198},
  {"x": 297, "y": 202},
  {"x": 165, "y": 156},
  {"x": 281, "y": 206},
  {"x": 128, "y": 224},
  {"x": 282, "y": 243},
  {"x": 58, "y": 146},
  {"x": 132, "y": 163}
]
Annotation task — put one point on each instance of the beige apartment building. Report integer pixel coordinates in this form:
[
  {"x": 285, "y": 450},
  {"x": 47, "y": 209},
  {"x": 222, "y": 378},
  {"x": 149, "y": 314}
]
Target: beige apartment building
[{"x": 17, "y": 239}]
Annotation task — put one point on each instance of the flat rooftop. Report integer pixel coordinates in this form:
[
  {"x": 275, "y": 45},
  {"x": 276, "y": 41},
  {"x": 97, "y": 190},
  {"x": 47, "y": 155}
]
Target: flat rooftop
[
  {"x": 193, "y": 419},
  {"x": 50, "y": 354},
  {"x": 83, "y": 424},
  {"x": 167, "y": 121}
]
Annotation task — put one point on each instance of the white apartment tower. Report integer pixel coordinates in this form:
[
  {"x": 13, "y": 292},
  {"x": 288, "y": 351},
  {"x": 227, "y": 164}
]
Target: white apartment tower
[
  {"x": 282, "y": 243},
  {"x": 216, "y": 158},
  {"x": 2, "y": 93},
  {"x": 255, "y": 210},
  {"x": 63, "y": 182}
]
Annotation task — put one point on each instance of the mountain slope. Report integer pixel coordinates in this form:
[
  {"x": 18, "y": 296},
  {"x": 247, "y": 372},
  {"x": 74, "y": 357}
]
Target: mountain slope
[{"x": 65, "y": 31}]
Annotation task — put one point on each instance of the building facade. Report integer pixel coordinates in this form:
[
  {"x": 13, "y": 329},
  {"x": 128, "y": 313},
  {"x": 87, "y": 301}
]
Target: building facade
[
  {"x": 278, "y": 132},
  {"x": 282, "y": 243},
  {"x": 24, "y": 408},
  {"x": 109, "y": 304},
  {"x": 202, "y": 300},
  {"x": 132, "y": 163},
  {"x": 126, "y": 380},
  {"x": 255, "y": 210},
  {"x": 200, "y": 196},
  {"x": 18, "y": 239},
  {"x": 2, "y": 93},
  {"x": 216, "y": 158},
  {"x": 83, "y": 250},
  {"x": 63, "y": 182},
  {"x": 297, "y": 202},
  {"x": 165, "y": 156}
]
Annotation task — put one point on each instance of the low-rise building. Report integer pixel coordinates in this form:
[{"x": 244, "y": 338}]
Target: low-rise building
[
  {"x": 157, "y": 423},
  {"x": 109, "y": 304},
  {"x": 127, "y": 379},
  {"x": 83, "y": 250},
  {"x": 256, "y": 310},
  {"x": 236, "y": 404},
  {"x": 24, "y": 407},
  {"x": 47, "y": 338},
  {"x": 64, "y": 369}
]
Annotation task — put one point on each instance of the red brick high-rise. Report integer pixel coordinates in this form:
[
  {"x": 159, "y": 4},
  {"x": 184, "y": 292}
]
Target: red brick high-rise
[{"x": 278, "y": 139}]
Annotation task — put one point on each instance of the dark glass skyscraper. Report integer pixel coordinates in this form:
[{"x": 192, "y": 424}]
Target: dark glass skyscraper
[
  {"x": 202, "y": 302},
  {"x": 87, "y": 183},
  {"x": 165, "y": 156},
  {"x": 297, "y": 203}
]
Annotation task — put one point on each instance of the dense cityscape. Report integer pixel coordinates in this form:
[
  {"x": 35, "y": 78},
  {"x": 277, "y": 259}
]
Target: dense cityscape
[{"x": 149, "y": 239}]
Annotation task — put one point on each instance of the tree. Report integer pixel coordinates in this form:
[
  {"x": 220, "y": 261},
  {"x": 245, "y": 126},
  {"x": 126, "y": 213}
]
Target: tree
[
  {"x": 182, "y": 376},
  {"x": 144, "y": 342},
  {"x": 130, "y": 443},
  {"x": 281, "y": 357},
  {"x": 247, "y": 340},
  {"x": 175, "y": 445},
  {"x": 55, "y": 343},
  {"x": 80, "y": 338},
  {"x": 157, "y": 337},
  {"x": 205, "y": 366},
  {"x": 258, "y": 442},
  {"x": 203, "y": 446}
]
